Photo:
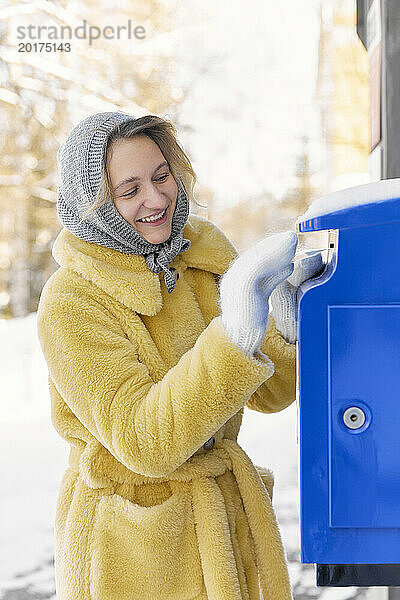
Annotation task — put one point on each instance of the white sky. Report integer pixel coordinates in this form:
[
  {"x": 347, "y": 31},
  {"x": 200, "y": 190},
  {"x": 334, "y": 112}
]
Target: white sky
[
  {"x": 251, "y": 69},
  {"x": 256, "y": 97}
]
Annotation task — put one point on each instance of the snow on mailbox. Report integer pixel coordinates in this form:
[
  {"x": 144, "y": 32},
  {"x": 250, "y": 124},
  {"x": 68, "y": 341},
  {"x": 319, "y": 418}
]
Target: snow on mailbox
[{"x": 349, "y": 390}]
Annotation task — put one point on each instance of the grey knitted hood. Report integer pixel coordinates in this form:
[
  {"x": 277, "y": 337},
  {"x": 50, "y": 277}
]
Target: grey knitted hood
[{"x": 80, "y": 162}]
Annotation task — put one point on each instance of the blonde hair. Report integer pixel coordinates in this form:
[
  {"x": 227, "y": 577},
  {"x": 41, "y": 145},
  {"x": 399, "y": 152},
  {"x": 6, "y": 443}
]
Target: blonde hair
[{"x": 163, "y": 133}]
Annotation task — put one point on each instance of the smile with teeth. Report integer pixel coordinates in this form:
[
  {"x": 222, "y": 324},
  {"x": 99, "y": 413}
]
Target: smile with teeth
[{"x": 154, "y": 218}]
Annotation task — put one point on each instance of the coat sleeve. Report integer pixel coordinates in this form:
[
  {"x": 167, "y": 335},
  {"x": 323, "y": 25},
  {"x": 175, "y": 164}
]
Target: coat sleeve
[
  {"x": 278, "y": 391},
  {"x": 152, "y": 427}
]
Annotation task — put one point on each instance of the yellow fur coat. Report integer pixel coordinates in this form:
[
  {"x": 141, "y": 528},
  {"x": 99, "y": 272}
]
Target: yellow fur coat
[{"x": 140, "y": 381}]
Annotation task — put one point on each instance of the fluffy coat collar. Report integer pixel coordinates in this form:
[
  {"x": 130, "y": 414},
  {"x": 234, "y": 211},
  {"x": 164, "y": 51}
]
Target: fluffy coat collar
[{"x": 127, "y": 278}]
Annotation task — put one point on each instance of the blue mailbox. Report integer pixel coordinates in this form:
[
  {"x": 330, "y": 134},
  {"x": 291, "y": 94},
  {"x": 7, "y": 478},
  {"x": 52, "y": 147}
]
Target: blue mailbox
[{"x": 349, "y": 393}]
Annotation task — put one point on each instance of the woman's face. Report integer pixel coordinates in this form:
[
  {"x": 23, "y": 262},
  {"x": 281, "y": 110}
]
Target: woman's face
[{"x": 142, "y": 186}]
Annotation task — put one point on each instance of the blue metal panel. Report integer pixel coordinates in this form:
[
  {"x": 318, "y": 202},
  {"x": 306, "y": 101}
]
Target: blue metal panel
[
  {"x": 349, "y": 355},
  {"x": 364, "y": 463},
  {"x": 363, "y": 215}
]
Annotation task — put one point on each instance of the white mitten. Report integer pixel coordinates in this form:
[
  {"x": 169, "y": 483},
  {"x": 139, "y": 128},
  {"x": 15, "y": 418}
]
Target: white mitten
[
  {"x": 284, "y": 298},
  {"x": 247, "y": 284}
]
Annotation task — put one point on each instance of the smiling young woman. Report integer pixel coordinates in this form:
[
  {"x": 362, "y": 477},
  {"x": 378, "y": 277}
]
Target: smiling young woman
[
  {"x": 143, "y": 186},
  {"x": 142, "y": 163},
  {"x": 149, "y": 376}
]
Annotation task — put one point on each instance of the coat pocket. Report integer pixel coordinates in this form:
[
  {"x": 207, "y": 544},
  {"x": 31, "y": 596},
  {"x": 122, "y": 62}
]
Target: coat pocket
[
  {"x": 145, "y": 552},
  {"x": 267, "y": 477}
]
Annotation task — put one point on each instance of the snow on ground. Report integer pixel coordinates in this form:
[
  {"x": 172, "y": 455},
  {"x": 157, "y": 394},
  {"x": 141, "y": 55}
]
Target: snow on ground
[
  {"x": 377, "y": 191},
  {"x": 33, "y": 459}
]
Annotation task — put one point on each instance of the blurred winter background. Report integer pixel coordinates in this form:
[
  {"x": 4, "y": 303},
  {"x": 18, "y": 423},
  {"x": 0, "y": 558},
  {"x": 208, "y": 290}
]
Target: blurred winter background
[{"x": 270, "y": 100}]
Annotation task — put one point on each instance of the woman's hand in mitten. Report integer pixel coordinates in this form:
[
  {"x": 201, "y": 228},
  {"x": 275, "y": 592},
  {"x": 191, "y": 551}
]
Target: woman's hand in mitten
[
  {"x": 284, "y": 299},
  {"x": 247, "y": 285}
]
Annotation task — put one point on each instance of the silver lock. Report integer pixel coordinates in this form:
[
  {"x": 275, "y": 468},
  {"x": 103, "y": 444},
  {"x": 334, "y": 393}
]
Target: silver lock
[{"x": 354, "y": 417}]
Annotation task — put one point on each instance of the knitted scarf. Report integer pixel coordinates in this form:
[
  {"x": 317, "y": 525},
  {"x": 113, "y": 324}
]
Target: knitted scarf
[{"x": 80, "y": 162}]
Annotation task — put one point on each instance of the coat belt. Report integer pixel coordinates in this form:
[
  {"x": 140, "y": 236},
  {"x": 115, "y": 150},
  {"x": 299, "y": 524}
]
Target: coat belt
[{"x": 201, "y": 470}]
